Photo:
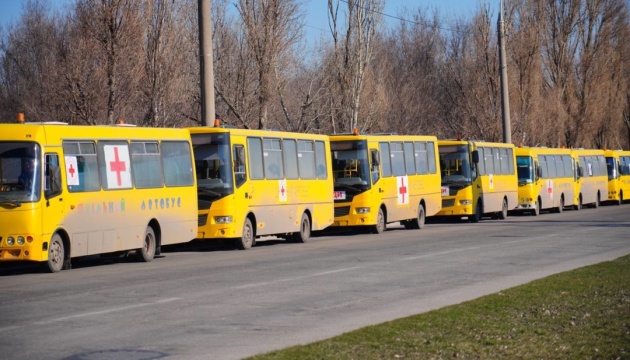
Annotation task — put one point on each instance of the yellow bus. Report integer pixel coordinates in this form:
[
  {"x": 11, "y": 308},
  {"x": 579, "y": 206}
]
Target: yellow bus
[
  {"x": 478, "y": 179},
  {"x": 381, "y": 179},
  {"x": 254, "y": 183},
  {"x": 71, "y": 191},
  {"x": 618, "y": 164},
  {"x": 592, "y": 179},
  {"x": 546, "y": 179}
]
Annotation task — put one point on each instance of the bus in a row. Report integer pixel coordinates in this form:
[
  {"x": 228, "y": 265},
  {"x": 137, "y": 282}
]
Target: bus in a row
[
  {"x": 555, "y": 178},
  {"x": 478, "y": 179},
  {"x": 618, "y": 169},
  {"x": 72, "y": 191}
]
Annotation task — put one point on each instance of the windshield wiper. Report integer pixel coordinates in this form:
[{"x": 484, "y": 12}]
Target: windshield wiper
[
  {"x": 11, "y": 203},
  {"x": 208, "y": 191},
  {"x": 349, "y": 187}
]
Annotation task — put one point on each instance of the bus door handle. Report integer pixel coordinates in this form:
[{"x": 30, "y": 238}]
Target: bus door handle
[{"x": 246, "y": 196}]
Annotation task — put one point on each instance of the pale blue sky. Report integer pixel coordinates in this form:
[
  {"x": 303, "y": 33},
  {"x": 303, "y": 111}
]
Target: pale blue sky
[{"x": 10, "y": 10}]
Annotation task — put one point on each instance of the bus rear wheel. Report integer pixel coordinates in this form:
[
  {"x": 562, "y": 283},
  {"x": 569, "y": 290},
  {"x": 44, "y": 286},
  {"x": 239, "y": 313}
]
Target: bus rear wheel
[
  {"x": 578, "y": 207},
  {"x": 504, "y": 210},
  {"x": 561, "y": 206},
  {"x": 247, "y": 238},
  {"x": 147, "y": 252},
  {"x": 56, "y": 254},
  {"x": 418, "y": 222},
  {"x": 304, "y": 234},
  {"x": 379, "y": 227}
]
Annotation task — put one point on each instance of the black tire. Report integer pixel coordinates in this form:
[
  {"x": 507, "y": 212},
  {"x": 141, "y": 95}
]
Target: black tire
[
  {"x": 561, "y": 206},
  {"x": 418, "y": 222},
  {"x": 247, "y": 239},
  {"x": 147, "y": 252},
  {"x": 56, "y": 254},
  {"x": 477, "y": 215},
  {"x": 596, "y": 203},
  {"x": 504, "y": 210},
  {"x": 578, "y": 207},
  {"x": 536, "y": 210},
  {"x": 304, "y": 234},
  {"x": 380, "y": 225},
  {"x": 620, "y": 198}
]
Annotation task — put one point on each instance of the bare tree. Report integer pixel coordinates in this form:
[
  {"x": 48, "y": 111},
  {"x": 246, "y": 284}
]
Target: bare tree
[
  {"x": 115, "y": 27},
  {"x": 352, "y": 53},
  {"x": 271, "y": 28},
  {"x": 29, "y": 77}
]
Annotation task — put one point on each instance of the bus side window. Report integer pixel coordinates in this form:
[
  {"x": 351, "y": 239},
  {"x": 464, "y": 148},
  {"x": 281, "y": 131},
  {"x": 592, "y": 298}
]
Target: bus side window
[
  {"x": 239, "y": 165},
  {"x": 52, "y": 176}
]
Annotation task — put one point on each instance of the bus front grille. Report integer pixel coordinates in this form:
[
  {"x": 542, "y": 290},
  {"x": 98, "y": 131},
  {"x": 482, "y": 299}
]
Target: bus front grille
[
  {"x": 202, "y": 220},
  {"x": 342, "y": 211},
  {"x": 448, "y": 202}
]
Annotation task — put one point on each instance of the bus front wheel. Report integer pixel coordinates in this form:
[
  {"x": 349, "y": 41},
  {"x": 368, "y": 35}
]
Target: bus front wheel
[
  {"x": 537, "y": 207},
  {"x": 56, "y": 254},
  {"x": 247, "y": 239},
  {"x": 477, "y": 215},
  {"x": 147, "y": 252},
  {"x": 304, "y": 234},
  {"x": 379, "y": 227},
  {"x": 578, "y": 207}
]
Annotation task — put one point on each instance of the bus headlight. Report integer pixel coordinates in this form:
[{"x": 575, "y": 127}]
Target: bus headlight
[
  {"x": 20, "y": 240},
  {"x": 465, "y": 202},
  {"x": 11, "y": 240},
  {"x": 363, "y": 210},
  {"x": 223, "y": 219}
]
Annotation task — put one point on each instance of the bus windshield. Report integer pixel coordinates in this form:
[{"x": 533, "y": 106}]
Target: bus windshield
[
  {"x": 213, "y": 165},
  {"x": 20, "y": 173},
  {"x": 525, "y": 168},
  {"x": 455, "y": 165},
  {"x": 350, "y": 164}
]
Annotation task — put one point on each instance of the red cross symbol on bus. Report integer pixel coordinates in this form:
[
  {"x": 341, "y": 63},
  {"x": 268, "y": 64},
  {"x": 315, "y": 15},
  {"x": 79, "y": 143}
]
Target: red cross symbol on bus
[
  {"x": 549, "y": 190},
  {"x": 402, "y": 189},
  {"x": 71, "y": 171},
  {"x": 117, "y": 166},
  {"x": 282, "y": 191}
]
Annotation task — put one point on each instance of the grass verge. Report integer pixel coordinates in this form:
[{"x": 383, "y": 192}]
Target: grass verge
[{"x": 581, "y": 314}]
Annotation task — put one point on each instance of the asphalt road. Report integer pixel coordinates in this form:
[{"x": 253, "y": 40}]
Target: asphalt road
[{"x": 200, "y": 301}]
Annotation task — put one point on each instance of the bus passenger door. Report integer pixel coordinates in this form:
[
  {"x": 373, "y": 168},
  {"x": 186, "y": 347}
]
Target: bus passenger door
[{"x": 53, "y": 210}]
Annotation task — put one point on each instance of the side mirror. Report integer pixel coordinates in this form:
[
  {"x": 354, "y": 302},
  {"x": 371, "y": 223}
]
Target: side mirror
[
  {"x": 475, "y": 157},
  {"x": 580, "y": 171},
  {"x": 538, "y": 171}
]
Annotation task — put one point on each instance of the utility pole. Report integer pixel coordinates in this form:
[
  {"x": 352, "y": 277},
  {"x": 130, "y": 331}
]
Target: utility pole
[
  {"x": 505, "y": 99},
  {"x": 206, "y": 70}
]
